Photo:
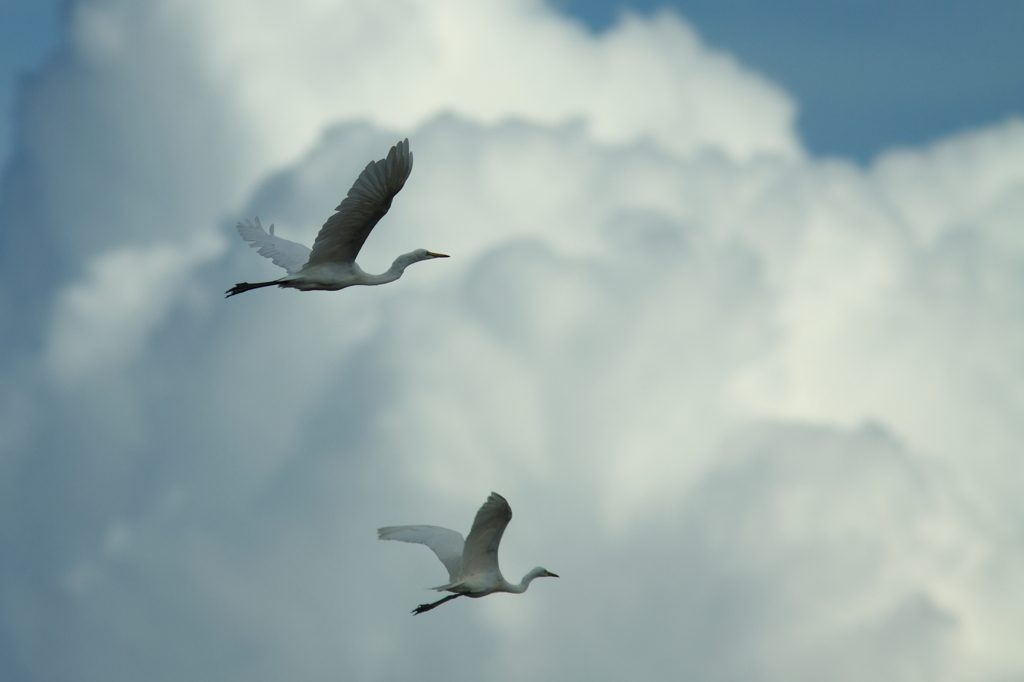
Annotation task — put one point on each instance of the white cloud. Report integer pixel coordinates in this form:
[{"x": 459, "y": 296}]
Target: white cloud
[
  {"x": 402, "y": 63},
  {"x": 104, "y": 322},
  {"x": 660, "y": 335},
  {"x": 970, "y": 181},
  {"x": 197, "y": 101}
]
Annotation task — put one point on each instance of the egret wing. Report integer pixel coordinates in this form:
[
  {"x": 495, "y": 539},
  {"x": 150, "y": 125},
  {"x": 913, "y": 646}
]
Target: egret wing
[
  {"x": 447, "y": 544},
  {"x": 480, "y": 554},
  {"x": 289, "y": 255},
  {"x": 343, "y": 234}
]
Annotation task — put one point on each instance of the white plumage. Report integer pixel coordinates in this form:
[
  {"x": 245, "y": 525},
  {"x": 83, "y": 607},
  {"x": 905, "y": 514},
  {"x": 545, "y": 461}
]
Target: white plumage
[
  {"x": 472, "y": 565},
  {"x": 331, "y": 263}
]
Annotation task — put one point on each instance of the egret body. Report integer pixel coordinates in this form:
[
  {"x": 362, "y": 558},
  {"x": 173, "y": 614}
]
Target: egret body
[
  {"x": 331, "y": 264},
  {"x": 472, "y": 564}
]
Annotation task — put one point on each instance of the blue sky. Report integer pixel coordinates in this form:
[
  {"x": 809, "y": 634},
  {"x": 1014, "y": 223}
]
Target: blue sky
[
  {"x": 29, "y": 32},
  {"x": 867, "y": 74}
]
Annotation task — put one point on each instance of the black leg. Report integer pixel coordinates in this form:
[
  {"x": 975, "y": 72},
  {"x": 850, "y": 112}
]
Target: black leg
[
  {"x": 423, "y": 608},
  {"x": 242, "y": 287}
]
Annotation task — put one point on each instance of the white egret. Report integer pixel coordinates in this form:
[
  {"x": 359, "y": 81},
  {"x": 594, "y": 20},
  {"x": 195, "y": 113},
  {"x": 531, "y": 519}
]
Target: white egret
[
  {"x": 472, "y": 565},
  {"x": 331, "y": 264}
]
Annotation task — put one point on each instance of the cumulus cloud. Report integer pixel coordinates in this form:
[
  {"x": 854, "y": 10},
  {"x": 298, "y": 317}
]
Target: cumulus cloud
[
  {"x": 105, "y": 320},
  {"x": 199, "y": 102},
  {"x": 758, "y": 410}
]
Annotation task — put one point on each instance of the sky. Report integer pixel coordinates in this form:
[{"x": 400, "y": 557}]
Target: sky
[
  {"x": 867, "y": 75},
  {"x": 757, "y": 402},
  {"x": 29, "y": 33}
]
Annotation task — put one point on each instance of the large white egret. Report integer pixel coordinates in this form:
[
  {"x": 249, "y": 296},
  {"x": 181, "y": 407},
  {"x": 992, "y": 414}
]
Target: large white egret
[
  {"x": 331, "y": 264},
  {"x": 472, "y": 565}
]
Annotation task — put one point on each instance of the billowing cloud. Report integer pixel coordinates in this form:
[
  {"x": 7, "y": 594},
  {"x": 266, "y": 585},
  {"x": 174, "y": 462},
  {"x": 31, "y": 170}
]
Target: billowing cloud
[
  {"x": 105, "y": 320},
  {"x": 196, "y": 103},
  {"x": 760, "y": 411}
]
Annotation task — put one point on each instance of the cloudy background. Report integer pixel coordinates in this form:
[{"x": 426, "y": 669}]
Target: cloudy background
[{"x": 759, "y": 401}]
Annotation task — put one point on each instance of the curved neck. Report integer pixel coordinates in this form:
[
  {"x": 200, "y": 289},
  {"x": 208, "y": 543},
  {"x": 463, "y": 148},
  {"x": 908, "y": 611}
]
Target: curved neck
[
  {"x": 396, "y": 269},
  {"x": 394, "y": 272},
  {"x": 525, "y": 583}
]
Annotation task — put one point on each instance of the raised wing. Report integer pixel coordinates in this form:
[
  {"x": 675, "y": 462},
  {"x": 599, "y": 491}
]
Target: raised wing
[
  {"x": 289, "y": 255},
  {"x": 343, "y": 234},
  {"x": 480, "y": 554},
  {"x": 447, "y": 544}
]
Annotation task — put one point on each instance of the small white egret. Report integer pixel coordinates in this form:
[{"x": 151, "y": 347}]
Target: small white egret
[
  {"x": 472, "y": 565},
  {"x": 331, "y": 264}
]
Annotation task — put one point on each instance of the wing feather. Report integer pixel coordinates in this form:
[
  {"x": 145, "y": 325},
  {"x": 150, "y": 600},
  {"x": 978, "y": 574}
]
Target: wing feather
[
  {"x": 447, "y": 544},
  {"x": 344, "y": 233},
  {"x": 480, "y": 554},
  {"x": 286, "y": 254}
]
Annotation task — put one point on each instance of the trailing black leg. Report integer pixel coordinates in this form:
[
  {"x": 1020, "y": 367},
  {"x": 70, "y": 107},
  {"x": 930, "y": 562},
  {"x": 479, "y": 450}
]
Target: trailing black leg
[
  {"x": 242, "y": 287},
  {"x": 423, "y": 608}
]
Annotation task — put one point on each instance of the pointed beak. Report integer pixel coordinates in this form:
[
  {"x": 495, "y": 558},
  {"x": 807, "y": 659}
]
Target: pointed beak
[
  {"x": 437, "y": 255},
  {"x": 549, "y": 574}
]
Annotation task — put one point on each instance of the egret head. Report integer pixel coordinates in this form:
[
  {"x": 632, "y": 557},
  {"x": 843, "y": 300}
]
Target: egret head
[
  {"x": 407, "y": 259},
  {"x": 541, "y": 572}
]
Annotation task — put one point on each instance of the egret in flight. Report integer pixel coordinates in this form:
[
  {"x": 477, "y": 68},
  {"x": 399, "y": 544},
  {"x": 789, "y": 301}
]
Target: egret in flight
[
  {"x": 472, "y": 565},
  {"x": 331, "y": 264}
]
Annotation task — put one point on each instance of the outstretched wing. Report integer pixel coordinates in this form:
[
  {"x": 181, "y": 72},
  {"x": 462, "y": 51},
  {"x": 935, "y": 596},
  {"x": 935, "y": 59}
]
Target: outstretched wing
[
  {"x": 288, "y": 255},
  {"x": 480, "y": 555},
  {"x": 343, "y": 234},
  {"x": 447, "y": 544}
]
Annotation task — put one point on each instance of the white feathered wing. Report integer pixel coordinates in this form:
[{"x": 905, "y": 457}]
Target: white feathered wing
[{"x": 289, "y": 255}]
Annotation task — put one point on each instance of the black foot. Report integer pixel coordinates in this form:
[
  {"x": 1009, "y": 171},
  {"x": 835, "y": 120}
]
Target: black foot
[
  {"x": 423, "y": 608},
  {"x": 242, "y": 287}
]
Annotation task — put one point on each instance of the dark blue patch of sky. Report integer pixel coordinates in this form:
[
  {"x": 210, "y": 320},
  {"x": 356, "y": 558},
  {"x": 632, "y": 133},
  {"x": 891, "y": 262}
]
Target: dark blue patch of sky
[{"x": 867, "y": 74}]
